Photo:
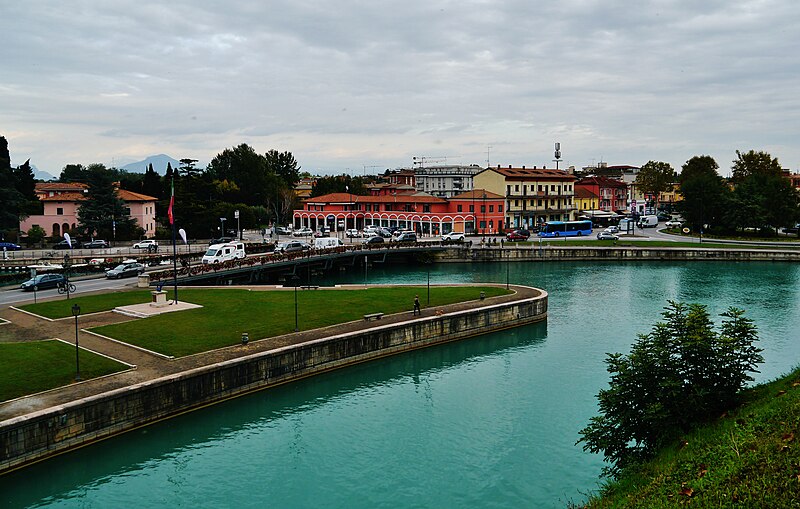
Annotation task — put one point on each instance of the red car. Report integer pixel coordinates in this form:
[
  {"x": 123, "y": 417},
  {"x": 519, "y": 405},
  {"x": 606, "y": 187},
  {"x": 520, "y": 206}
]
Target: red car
[{"x": 518, "y": 235}]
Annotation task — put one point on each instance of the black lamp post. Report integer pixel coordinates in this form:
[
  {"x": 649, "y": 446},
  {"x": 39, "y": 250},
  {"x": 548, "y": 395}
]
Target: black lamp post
[
  {"x": 296, "y": 280},
  {"x": 76, "y": 310}
]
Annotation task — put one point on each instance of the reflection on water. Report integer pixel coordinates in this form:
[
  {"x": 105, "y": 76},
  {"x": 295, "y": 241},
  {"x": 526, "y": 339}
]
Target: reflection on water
[{"x": 486, "y": 422}]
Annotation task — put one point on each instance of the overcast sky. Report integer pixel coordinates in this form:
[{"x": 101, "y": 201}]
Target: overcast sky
[{"x": 347, "y": 85}]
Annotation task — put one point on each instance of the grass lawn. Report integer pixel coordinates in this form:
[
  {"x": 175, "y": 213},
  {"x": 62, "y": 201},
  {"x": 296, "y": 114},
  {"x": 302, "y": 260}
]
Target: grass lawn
[
  {"x": 89, "y": 304},
  {"x": 27, "y": 368},
  {"x": 228, "y": 313}
]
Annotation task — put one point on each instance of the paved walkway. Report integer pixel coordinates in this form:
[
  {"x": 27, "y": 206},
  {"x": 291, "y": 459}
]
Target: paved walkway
[{"x": 25, "y": 327}]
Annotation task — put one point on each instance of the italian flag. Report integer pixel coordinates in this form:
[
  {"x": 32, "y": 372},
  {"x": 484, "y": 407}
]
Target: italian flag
[{"x": 171, "y": 203}]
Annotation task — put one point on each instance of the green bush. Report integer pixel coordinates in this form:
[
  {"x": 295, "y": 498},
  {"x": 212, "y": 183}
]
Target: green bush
[{"x": 681, "y": 374}]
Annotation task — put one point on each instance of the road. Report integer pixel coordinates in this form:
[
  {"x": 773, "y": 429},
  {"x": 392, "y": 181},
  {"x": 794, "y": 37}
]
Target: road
[{"x": 16, "y": 296}]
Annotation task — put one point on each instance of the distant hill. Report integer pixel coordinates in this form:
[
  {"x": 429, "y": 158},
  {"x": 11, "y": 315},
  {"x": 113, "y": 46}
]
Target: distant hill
[
  {"x": 41, "y": 174},
  {"x": 159, "y": 163}
]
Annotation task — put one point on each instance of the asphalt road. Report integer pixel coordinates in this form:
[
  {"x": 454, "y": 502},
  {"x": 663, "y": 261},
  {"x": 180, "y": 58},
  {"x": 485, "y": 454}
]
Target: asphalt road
[{"x": 15, "y": 296}]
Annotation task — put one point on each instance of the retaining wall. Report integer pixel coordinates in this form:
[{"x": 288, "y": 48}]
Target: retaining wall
[
  {"x": 41, "y": 434},
  {"x": 513, "y": 252}
]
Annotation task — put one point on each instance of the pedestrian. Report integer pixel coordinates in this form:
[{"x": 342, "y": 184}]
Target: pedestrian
[{"x": 417, "y": 310}]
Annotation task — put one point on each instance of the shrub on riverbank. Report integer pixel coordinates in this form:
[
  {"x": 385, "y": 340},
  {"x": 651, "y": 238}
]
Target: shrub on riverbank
[{"x": 749, "y": 457}]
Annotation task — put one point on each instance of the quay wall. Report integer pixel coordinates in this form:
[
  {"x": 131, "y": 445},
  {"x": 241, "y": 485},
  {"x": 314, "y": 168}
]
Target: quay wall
[
  {"x": 38, "y": 435},
  {"x": 534, "y": 253}
]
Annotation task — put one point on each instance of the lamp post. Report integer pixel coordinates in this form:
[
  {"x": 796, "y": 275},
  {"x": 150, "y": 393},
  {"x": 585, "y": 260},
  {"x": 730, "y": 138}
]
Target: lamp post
[
  {"x": 429, "y": 283},
  {"x": 222, "y": 222},
  {"x": 296, "y": 280},
  {"x": 76, "y": 310},
  {"x": 238, "y": 230}
]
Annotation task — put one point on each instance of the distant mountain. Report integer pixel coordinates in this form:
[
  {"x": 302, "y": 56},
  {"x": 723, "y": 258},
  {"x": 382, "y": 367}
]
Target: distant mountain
[
  {"x": 159, "y": 163},
  {"x": 41, "y": 174}
]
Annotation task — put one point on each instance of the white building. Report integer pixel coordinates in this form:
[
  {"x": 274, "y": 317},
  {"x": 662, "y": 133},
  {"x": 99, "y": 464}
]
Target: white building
[{"x": 445, "y": 181}]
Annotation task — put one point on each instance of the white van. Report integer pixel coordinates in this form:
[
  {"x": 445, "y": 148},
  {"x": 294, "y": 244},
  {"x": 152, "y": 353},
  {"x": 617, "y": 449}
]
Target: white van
[
  {"x": 647, "y": 222},
  {"x": 219, "y": 253},
  {"x": 327, "y": 242}
]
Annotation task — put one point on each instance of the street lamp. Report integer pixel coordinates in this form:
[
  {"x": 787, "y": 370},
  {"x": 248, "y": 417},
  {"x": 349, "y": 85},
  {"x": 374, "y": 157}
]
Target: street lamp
[
  {"x": 296, "y": 280},
  {"x": 222, "y": 222},
  {"x": 76, "y": 310}
]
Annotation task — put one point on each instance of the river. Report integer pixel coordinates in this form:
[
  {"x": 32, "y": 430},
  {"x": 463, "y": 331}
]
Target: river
[{"x": 489, "y": 422}]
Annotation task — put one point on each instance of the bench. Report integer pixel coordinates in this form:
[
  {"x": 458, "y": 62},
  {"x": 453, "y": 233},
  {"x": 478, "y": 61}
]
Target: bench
[
  {"x": 309, "y": 287},
  {"x": 373, "y": 316}
]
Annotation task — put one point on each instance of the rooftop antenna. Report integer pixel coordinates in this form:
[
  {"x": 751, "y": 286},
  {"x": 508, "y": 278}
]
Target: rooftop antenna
[
  {"x": 557, "y": 154},
  {"x": 488, "y": 148}
]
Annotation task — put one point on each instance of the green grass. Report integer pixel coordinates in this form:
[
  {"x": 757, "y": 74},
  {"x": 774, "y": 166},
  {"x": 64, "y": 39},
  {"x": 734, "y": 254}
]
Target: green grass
[
  {"x": 750, "y": 458},
  {"x": 228, "y": 313},
  {"x": 89, "y": 304},
  {"x": 27, "y": 368}
]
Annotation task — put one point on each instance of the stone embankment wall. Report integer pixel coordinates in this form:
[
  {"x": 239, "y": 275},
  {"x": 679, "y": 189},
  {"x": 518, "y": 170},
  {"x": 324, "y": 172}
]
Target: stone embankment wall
[
  {"x": 515, "y": 252},
  {"x": 36, "y": 436}
]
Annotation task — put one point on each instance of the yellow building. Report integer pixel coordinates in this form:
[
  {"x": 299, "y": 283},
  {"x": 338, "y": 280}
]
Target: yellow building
[{"x": 533, "y": 195}]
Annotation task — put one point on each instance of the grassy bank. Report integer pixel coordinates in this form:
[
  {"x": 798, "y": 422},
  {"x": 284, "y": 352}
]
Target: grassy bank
[
  {"x": 226, "y": 314},
  {"x": 748, "y": 459},
  {"x": 31, "y": 367}
]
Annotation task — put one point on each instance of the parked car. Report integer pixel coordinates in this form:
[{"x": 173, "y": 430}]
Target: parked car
[
  {"x": 95, "y": 244},
  {"x": 672, "y": 224},
  {"x": 453, "y": 237},
  {"x": 352, "y": 233},
  {"x": 125, "y": 270},
  {"x": 221, "y": 240},
  {"x": 518, "y": 235},
  {"x": 663, "y": 216},
  {"x": 145, "y": 244},
  {"x": 284, "y": 230},
  {"x": 370, "y": 230},
  {"x": 606, "y": 235},
  {"x": 376, "y": 239},
  {"x": 386, "y": 233},
  {"x": 43, "y": 281},
  {"x": 405, "y": 237},
  {"x": 292, "y": 246},
  {"x": 302, "y": 232},
  {"x": 76, "y": 244},
  {"x": 792, "y": 230},
  {"x": 9, "y": 246},
  {"x": 612, "y": 229}
]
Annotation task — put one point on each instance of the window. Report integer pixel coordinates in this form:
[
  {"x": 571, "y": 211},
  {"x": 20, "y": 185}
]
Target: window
[
  {"x": 499, "y": 208},
  {"x": 426, "y": 208},
  {"x": 540, "y": 202},
  {"x": 508, "y": 190},
  {"x": 59, "y": 211},
  {"x": 483, "y": 225},
  {"x": 483, "y": 209},
  {"x": 516, "y": 188},
  {"x": 472, "y": 208},
  {"x": 460, "y": 207},
  {"x": 516, "y": 203},
  {"x": 491, "y": 208}
]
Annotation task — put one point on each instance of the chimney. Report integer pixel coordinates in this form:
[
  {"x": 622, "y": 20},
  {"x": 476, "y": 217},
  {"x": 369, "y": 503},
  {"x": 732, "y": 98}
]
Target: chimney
[
  {"x": 523, "y": 166},
  {"x": 509, "y": 166}
]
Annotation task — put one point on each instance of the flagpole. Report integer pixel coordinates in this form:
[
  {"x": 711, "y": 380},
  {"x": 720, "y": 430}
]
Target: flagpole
[{"x": 174, "y": 246}]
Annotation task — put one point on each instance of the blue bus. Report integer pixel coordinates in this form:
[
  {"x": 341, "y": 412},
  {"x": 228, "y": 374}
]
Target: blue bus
[{"x": 566, "y": 229}]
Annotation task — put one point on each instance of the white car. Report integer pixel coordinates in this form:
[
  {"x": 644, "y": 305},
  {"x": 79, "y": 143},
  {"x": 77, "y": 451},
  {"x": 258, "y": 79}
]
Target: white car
[
  {"x": 607, "y": 236},
  {"x": 145, "y": 244},
  {"x": 353, "y": 233},
  {"x": 453, "y": 237},
  {"x": 303, "y": 232},
  {"x": 672, "y": 224},
  {"x": 612, "y": 229}
]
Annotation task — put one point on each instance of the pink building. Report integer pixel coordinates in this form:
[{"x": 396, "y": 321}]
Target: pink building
[{"x": 62, "y": 200}]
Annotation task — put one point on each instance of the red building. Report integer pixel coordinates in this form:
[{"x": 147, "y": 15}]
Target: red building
[
  {"x": 475, "y": 211},
  {"x": 611, "y": 194}
]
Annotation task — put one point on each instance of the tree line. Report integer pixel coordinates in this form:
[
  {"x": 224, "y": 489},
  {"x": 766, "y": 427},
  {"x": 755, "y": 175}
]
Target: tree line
[{"x": 757, "y": 195}]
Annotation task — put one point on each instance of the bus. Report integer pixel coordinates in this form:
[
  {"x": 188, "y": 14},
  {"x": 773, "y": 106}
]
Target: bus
[{"x": 566, "y": 229}]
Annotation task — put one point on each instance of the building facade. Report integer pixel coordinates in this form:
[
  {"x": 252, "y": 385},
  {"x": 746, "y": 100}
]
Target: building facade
[
  {"x": 611, "y": 193},
  {"x": 62, "y": 200},
  {"x": 533, "y": 195},
  {"x": 445, "y": 181}
]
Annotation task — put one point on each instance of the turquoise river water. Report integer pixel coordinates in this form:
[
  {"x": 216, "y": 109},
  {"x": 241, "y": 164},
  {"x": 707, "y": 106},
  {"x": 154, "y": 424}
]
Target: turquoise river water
[{"x": 489, "y": 422}]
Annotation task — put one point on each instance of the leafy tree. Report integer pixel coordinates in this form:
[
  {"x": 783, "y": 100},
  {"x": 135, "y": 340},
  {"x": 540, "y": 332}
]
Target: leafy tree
[
  {"x": 753, "y": 164},
  {"x": 103, "y": 206},
  {"x": 36, "y": 235},
  {"x": 284, "y": 165},
  {"x": 763, "y": 197},
  {"x": 151, "y": 183},
  {"x": 704, "y": 192},
  {"x": 655, "y": 177},
  {"x": 339, "y": 184},
  {"x": 73, "y": 173},
  {"x": 681, "y": 374},
  {"x": 243, "y": 166}
]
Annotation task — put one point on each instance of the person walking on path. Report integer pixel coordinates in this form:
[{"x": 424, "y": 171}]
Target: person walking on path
[{"x": 417, "y": 310}]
